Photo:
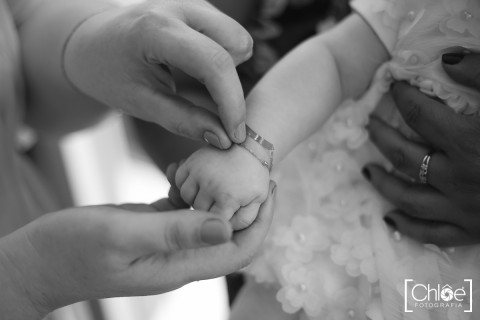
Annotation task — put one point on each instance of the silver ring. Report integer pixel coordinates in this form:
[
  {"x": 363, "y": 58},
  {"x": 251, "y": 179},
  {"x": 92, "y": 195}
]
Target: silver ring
[{"x": 423, "y": 173}]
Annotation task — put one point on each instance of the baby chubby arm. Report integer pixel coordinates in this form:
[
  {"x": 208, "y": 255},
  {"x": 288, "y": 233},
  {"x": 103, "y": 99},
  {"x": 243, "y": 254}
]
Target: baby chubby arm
[
  {"x": 300, "y": 93},
  {"x": 293, "y": 100}
]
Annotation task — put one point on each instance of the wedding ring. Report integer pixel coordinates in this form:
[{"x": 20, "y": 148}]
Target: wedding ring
[{"x": 423, "y": 173}]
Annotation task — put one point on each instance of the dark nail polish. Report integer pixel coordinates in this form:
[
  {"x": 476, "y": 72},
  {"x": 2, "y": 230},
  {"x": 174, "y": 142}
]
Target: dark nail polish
[
  {"x": 452, "y": 58},
  {"x": 366, "y": 174},
  {"x": 390, "y": 222}
]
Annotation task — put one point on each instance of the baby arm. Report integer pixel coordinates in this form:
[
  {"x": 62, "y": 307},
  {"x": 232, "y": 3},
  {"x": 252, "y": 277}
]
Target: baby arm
[
  {"x": 224, "y": 182},
  {"x": 290, "y": 103},
  {"x": 301, "y": 92}
]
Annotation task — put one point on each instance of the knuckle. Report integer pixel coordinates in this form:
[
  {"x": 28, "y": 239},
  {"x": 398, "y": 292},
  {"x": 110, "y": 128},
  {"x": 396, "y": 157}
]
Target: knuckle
[
  {"x": 227, "y": 200},
  {"x": 148, "y": 24},
  {"x": 149, "y": 19},
  {"x": 173, "y": 239},
  {"x": 241, "y": 222},
  {"x": 183, "y": 127},
  {"x": 221, "y": 60}
]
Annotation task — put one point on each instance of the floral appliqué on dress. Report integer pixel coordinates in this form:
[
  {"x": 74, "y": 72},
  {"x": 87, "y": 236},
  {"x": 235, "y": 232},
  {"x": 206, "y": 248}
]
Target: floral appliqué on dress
[{"x": 329, "y": 253}]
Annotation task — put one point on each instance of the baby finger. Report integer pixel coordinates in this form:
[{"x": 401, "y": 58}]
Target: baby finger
[
  {"x": 181, "y": 175},
  {"x": 203, "y": 201},
  {"x": 225, "y": 210},
  {"x": 245, "y": 216},
  {"x": 189, "y": 191}
]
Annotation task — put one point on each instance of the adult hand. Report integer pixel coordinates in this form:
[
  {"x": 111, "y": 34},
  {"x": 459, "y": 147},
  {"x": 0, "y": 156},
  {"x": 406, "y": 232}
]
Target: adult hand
[
  {"x": 108, "y": 251},
  {"x": 122, "y": 57},
  {"x": 447, "y": 210}
]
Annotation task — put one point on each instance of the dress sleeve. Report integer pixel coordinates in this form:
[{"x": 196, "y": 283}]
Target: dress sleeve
[{"x": 383, "y": 16}]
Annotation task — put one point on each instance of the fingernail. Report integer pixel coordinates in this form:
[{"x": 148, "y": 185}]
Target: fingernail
[
  {"x": 241, "y": 132},
  {"x": 366, "y": 173},
  {"x": 212, "y": 139},
  {"x": 452, "y": 58},
  {"x": 390, "y": 222},
  {"x": 214, "y": 232}
]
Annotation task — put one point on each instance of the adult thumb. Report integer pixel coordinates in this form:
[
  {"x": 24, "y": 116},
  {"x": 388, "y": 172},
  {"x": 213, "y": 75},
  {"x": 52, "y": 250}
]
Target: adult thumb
[
  {"x": 463, "y": 68},
  {"x": 173, "y": 231}
]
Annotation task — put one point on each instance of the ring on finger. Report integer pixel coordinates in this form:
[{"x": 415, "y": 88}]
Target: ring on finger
[{"x": 423, "y": 172}]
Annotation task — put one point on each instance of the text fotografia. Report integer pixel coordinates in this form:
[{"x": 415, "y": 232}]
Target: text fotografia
[{"x": 430, "y": 296}]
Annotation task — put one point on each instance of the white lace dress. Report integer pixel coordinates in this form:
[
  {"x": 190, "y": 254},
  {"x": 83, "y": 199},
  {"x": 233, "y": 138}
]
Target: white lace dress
[{"x": 329, "y": 253}]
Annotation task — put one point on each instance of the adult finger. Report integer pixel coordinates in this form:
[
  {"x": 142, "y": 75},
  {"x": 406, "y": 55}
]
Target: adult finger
[
  {"x": 202, "y": 201},
  {"x": 171, "y": 231},
  {"x": 138, "y": 207},
  {"x": 222, "y": 29},
  {"x": 463, "y": 68},
  {"x": 432, "y": 120},
  {"x": 236, "y": 254},
  {"x": 226, "y": 209},
  {"x": 417, "y": 201},
  {"x": 245, "y": 216},
  {"x": 165, "y": 205},
  {"x": 205, "y": 60},
  {"x": 432, "y": 232},
  {"x": 179, "y": 116},
  {"x": 407, "y": 156},
  {"x": 160, "y": 205}
]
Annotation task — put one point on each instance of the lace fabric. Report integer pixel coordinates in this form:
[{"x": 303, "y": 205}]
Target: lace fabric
[{"x": 329, "y": 253}]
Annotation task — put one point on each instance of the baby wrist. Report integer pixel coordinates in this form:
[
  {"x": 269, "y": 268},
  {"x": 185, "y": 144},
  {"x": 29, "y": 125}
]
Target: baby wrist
[{"x": 259, "y": 147}]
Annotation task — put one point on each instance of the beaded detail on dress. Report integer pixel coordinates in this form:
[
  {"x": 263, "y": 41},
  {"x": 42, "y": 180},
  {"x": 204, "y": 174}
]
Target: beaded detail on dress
[{"x": 329, "y": 253}]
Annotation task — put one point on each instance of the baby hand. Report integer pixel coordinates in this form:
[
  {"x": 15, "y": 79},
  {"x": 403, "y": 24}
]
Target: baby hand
[{"x": 224, "y": 182}]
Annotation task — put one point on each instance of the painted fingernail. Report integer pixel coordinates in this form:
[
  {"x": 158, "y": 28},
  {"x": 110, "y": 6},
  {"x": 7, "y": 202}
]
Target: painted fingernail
[
  {"x": 241, "y": 132},
  {"x": 390, "y": 222},
  {"x": 212, "y": 139},
  {"x": 214, "y": 232},
  {"x": 452, "y": 58},
  {"x": 366, "y": 173}
]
